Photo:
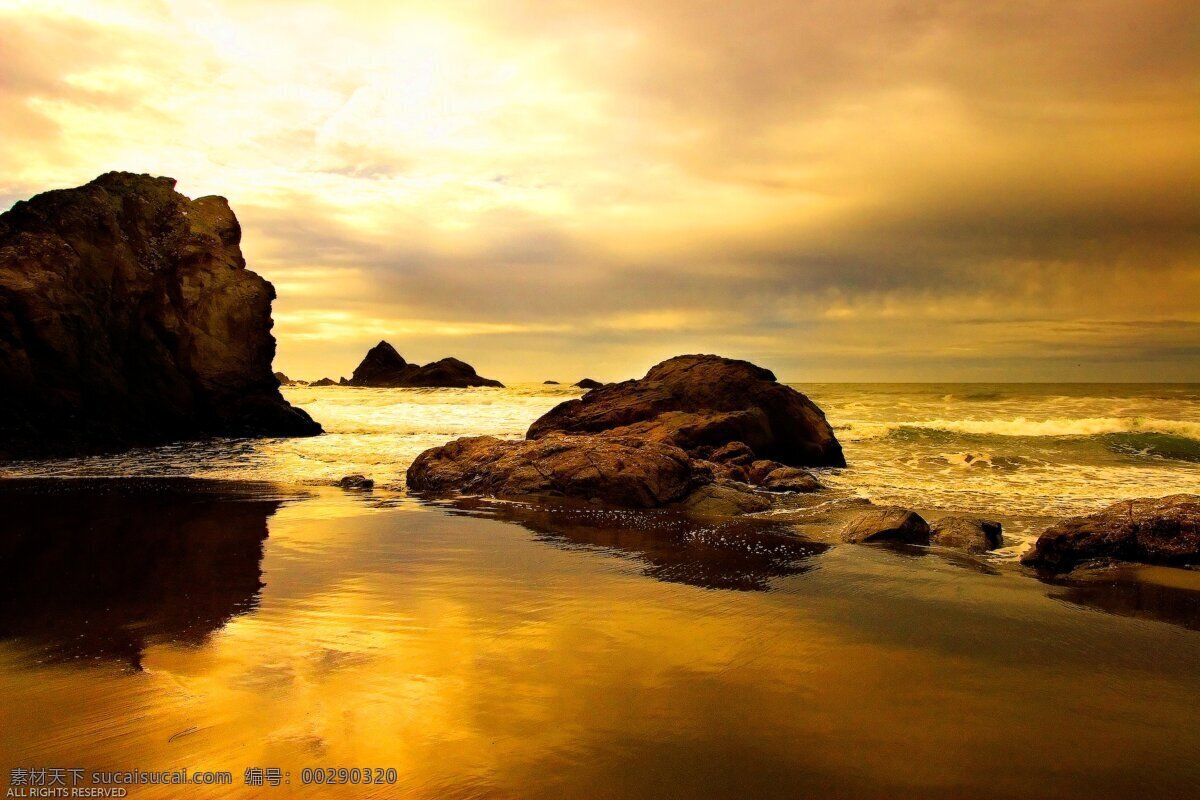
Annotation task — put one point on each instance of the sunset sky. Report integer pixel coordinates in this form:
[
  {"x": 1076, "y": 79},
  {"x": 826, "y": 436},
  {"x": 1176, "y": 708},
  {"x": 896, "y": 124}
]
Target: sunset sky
[{"x": 841, "y": 190}]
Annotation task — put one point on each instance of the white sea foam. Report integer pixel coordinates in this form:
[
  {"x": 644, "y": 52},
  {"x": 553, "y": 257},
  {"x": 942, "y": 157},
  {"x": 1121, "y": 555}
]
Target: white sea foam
[{"x": 1026, "y": 427}]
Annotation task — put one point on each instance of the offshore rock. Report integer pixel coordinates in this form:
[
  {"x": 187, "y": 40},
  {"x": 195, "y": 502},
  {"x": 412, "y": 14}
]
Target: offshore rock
[
  {"x": 128, "y": 317},
  {"x": 383, "y": 367},
  {"x": 698, "y": 402}
]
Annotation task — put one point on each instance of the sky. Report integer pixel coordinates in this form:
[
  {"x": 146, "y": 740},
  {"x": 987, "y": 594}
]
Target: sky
[{"x": 841, "y": 190}]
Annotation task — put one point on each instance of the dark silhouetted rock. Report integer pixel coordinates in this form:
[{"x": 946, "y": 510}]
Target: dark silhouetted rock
[
  {"x": 704, "y": 401},
  {"x": 356, "y": 482},
  {"x": 128, "y": 317},
  {"x": 886, "y": 524},
  {"x": 966, "y": 533},
  {"x": 284, "y": 380},
  {"x": 791, "y": 479},
  {"x": 550, "y": 383},
  {"x": 324, "y": 382},
  {"x": 630, "y": 473},
  {"x": 588, "y": 383},
  {"x": 383, "y": 367},
  {"x": 1153, "y": 531}
]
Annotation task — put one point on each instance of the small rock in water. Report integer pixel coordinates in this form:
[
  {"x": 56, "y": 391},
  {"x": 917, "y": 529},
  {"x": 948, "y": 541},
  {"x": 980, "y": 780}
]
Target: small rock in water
[
  {"x": 356, "y": 482},
  {"x": 966, "y": 533},
  {"x": 888, "y": 524}
]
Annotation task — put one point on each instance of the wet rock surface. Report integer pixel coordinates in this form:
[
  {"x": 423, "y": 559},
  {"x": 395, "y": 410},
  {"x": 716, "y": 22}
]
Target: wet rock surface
[
  {"x": 700, "y": 401},
  {"x": 886, "y": 524},
  {"x": 1151, "y": 531},
  {"x": 966, "y": 533}
]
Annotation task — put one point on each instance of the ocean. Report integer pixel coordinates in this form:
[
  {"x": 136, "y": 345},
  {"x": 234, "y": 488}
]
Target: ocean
[
  {"x": 1021, "y": 453},
  {"x": 233, "y": 615}
]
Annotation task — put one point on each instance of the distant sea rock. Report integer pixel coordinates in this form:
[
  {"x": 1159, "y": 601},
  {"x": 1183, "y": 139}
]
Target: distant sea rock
[
  {"x": 704, "y": 400},
  {"x": 324, "y": 382},
  {"x": 588, "y": 383},
  {"x": 550, "y": 383},
  {"x": 688, "y": 436},
  {"x": 1152, "y": 531},
  {"x": 284, "y": 380},
  {"x": 128, "y": 317},
  {"x": 383, "y": 367}
]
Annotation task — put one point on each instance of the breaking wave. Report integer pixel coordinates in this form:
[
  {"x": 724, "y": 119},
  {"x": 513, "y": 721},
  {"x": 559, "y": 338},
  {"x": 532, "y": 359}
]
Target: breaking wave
[{"x": 1029, "y": 428}]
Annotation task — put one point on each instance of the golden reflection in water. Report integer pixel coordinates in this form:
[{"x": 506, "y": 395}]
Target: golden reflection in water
[{"x": 481, "y": 659}]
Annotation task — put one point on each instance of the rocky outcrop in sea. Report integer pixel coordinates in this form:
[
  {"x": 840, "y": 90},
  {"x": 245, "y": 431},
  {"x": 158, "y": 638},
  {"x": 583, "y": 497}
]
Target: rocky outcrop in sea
[
  {"x": 128, "y": 317},
  {"x": 383, "y": 367}
]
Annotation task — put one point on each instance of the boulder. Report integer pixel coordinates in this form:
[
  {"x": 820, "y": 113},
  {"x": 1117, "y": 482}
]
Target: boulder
[
  {"x": 758, "y": 471},
  {"x": 966, "y": 533},
  {"x": 588, "y": 383},
  {"x": 625, "y": 472},
  {"x": 383, "y": 367},
  {"x": 1153, "y": 531},
  {"x": 128, "y": 317},
  {"x": 791, "y": 479},
  {"x": 356, "y": 482},
  {"x": 723, "y": 499},
  {"x": 886, "y": 524},
  {"x": 704, "y": 401}
]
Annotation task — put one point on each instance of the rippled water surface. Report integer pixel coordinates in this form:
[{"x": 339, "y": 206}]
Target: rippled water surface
[
  {"x": 517, "y": 651},
  {"x": 508, "y": 650}
]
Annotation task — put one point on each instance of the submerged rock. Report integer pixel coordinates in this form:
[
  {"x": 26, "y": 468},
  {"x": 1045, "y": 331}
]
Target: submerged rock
[
  {"x": 701, "y": 401},
  {"x": 383, "y": 367},
  {"x": 356, "y": 481},
  {"x": 128, "y": 317},
  {"x": 966, "y": 533},
  {"x": 886, "y": 524},
  {"x": 631, "y": 473},
  {"x": 1153, "y": 531}
]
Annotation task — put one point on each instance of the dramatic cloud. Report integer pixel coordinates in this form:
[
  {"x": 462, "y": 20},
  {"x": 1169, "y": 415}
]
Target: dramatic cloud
[{"x": 841, "y": 190}]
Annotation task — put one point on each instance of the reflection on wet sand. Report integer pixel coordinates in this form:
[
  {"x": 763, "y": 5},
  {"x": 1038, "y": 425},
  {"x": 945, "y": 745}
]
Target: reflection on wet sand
[
  {"x": 97, "y": 568},
  {"x": 1163, "y": 594},
  {"x": 739, "y": 554}
]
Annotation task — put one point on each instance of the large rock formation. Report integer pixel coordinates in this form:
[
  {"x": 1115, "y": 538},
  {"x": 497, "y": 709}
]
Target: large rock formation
[
  {"x": 631, "y": 473},
  {"x": 703, "y": 401},
  {"x": 687, "y": 436},
  {"x": 1153, "y": 531},
  {"x": 127, "y": 316},
  {"x": 383, "y": 367}
]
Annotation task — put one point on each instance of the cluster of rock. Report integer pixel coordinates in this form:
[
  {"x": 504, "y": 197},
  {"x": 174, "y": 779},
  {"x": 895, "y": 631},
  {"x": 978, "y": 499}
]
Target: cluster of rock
[
  {"x": 697, "y": 432},
  {"x": 128, "y": 317},
  {"x": 383, "y": 367}
]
